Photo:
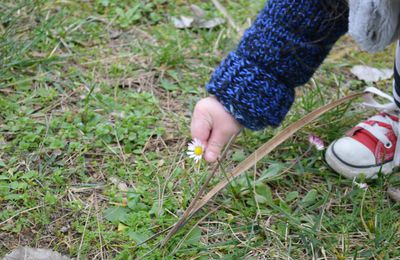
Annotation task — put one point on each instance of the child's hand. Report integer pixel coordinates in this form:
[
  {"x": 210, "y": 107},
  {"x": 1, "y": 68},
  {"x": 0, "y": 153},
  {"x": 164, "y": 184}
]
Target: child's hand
[{"x": 213, "y": 126}]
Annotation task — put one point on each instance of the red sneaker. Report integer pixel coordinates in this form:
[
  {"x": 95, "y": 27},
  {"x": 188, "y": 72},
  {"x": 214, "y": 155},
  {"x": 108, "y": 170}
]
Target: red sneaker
[{"x": 370, "y": 146}]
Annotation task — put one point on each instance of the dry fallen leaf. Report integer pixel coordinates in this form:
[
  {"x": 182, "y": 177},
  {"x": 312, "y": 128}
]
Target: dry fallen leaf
[
  {"x": 208, "y": 24},
  {"x": 182, "y": 22},
  {"x": 197, "y": 21},
  {"x": 371, "y": 74}
]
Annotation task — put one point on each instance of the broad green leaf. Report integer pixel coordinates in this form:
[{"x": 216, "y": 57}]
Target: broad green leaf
[
  {"x": 167, "y": 85},
  {"x": 137, "y": 237},
  {"x": 264, "y": 191},
  {"x": 116, "y": 214},
  {"x": 310, "y": 198},
  {"x": 15, "y": 196},
  {"x": 291, "y": 196},
  {"x": 194, "y": 237},
  {"x": 273, "y": 170}
]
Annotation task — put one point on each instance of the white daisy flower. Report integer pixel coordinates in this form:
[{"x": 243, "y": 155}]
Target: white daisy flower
[{"x": 195, "y": 150}]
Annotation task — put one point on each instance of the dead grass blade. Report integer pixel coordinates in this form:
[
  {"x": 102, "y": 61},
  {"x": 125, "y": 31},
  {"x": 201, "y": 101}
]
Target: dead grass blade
[
  {"x": 270, "y": 145},
  {"x": 250, "y": 161},
  {"x": 181, "y": 221},
  {"x": 225, "y": 13}
]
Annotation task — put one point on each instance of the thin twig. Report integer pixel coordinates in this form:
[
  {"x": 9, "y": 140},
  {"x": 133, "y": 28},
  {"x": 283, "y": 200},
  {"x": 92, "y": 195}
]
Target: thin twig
[
  {"x": 150, "y": 251},
  {"x": 187, "y": 212},
  {"x": 84, "y": 228},
  {"x": 168, "y": 228},
  {"x": 225, "y": 13},
  {"x": 266, "y": 148},
  {"x": 194, "y": 226},
  {"x": 153, "y": 236},
  {"x": 19, "y": 213},
  {"x": 98, "y": 219}
]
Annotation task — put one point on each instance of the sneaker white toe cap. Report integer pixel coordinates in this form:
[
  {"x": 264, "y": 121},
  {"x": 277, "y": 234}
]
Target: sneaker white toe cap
[{"x": 353, "y": 153}]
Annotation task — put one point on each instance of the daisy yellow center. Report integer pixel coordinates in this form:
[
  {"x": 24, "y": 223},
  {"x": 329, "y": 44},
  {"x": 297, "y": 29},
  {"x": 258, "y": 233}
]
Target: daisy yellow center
[{"x": 198, "y": 150}]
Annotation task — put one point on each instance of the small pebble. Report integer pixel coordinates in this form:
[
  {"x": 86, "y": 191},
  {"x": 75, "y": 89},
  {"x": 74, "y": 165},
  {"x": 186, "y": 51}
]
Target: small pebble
[
  {"x": 64, "y": 229},
  {"x": 394, "y": 193}
]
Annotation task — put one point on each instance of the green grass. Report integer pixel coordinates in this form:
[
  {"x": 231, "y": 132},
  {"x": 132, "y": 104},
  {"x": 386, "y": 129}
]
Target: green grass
[{"x": 95, "y": 104}]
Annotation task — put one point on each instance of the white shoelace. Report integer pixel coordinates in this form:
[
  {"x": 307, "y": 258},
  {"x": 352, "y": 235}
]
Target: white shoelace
[{"x": 376, "y": 130}]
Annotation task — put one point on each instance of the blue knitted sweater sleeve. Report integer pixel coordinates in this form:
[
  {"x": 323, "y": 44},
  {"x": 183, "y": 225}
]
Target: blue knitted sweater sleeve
[{"x": 281, "y": 50}]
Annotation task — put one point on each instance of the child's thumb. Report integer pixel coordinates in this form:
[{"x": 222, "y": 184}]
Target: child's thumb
[{"x": 200, "y": 127}]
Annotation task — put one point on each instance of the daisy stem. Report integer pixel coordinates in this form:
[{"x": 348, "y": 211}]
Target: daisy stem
[
  {"x": 198, "y": 167},
  {"x": 367, "y": 229}
]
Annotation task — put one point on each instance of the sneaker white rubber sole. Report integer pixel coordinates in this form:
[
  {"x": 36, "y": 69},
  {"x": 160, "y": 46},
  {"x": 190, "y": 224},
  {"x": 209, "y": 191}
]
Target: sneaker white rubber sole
[{"x": 351, "y": 171}]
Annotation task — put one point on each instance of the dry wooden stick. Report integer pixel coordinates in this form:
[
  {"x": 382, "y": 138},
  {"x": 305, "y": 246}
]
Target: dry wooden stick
[
  {"x": 250, "y": 161},
  {"x": 181, "y": 221},
  {"x": 266, "y": 148}
]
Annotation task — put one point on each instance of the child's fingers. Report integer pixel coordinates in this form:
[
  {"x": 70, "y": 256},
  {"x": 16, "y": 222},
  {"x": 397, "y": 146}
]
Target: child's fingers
[
  {"x": 215, "y": 144},
  {"x": 213, "y": 126},
  {"x": 200, "y": 127}
]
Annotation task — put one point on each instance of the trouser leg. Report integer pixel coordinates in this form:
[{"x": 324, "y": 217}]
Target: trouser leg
[{"x": 396, "y": 80}]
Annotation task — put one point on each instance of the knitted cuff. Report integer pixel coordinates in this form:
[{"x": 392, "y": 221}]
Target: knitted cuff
[
  {"x": 255, "y": 98},
  {"x": 281, "y": 50}
]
